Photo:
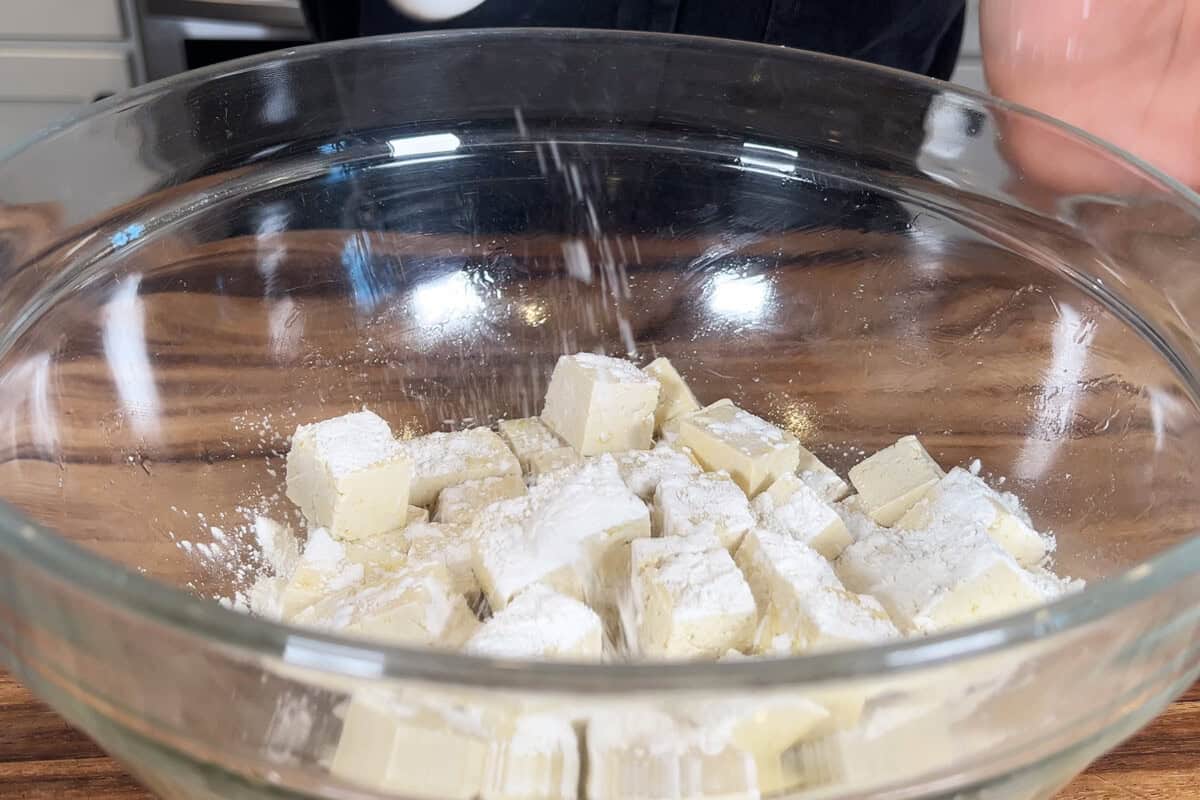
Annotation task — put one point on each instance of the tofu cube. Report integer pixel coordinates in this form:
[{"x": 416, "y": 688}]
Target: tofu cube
[
  {"x": 349, "y": 475},
  {"x": 939, "y": 577},
  {"x": 753, "y": 451},
  {"x": 892, "y": 481},
  {"x": 804, "y": 606},
  {"x": 385, "y": 551},
  {"x": 527, "y": 437},
  {"x": 709, "y": 500},
  {"x": 573, "y": 527},
  {"x": 791, "y": 507},
  {"x": 691, "y": 604},
  {"x": 448, "y": 459},
  {"x": 322, "y": 569},
  {"x": 644, "y": 470},
  {"x": 600, "y": 404},
  {"x": 767, "y": 730},
  {"x": 412, "y": 750},
  {"x": 446, "y": 545},
  {"x": 413, "y": 605},
  {"x": 543, "y": 624},
  {"x": 538, "y": 760},
  {"x": 549, "y": 461},
  {"x": 674, "y": 396},
  {"x": 969, "y": 501},
  {"x": 823, "y": 479},
  {"x": 639, "y": 754},
  {"x": 460, "y": 504}
]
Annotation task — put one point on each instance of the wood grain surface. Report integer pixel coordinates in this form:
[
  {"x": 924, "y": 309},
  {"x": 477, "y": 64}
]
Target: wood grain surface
[{"x": 42, "y": 757}]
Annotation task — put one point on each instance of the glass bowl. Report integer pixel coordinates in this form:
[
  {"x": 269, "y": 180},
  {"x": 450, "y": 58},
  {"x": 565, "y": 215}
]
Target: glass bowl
[{"x": 421, "y": 225}]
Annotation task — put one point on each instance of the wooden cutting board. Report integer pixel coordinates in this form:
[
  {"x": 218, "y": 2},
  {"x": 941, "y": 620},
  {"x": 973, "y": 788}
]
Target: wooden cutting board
[{"x": 42, "y": 757}]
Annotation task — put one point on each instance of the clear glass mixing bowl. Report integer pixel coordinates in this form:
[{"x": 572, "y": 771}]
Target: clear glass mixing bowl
[{"x": 422, "y": 225}]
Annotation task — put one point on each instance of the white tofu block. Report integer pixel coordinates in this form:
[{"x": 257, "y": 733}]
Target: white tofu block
[
  {"x": 648, "y": 552},
  {"x": 416, "y": 514},
  {"x": 939, "y": 577},
  {"x": 600, "y": 404},
  {"x": 649, "y": 755},
  {"x": 380, "y": 553},
  {"x": 349, "y": 475},
  {"x": 447, "y": 545},
  {"x": 412, "y": 751},
  {"x": 543, "y": 624},
  {"x": 820, "y": 477},
  {"x": 573, "y": 525},
  {"x": 322, "y": 569},
  {"x": 804, "y": 606},
  {"x": 549, "y": 461},
  {"x": 791, "y": 507},
  {"x": 710, "y": 500},
  {"x": 644, "y": 470},
  {"x": 447, "y": 459},
  {"x": 766, "y": 729},
  {"x": 460, "y": 504},
  {"x": 966, "y": 499},
  {"x": 753, "y": 451},
  {"x": 674, "y": 396},
  {"x": 691, "y": 604},
  {"x": 527, "y": 437},
  {"x": 538, "y": 760},
  {"x": 891, "y": 481},
  {"x": 413, "y": 605}
]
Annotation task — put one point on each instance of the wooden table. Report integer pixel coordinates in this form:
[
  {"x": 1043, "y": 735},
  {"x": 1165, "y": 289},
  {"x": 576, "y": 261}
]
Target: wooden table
[{"x": 41, "y": 756}]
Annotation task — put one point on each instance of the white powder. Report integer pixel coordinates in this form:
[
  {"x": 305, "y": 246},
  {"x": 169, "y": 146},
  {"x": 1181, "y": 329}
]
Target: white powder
[
  {"x": 683, "y": 504},
  {"x": 565, "y": 515},
  {"x": 538, "y": 623},
  {"x": 277, "y": 545},
  {"x": 351, "y": 442},
  {"x": 644, "y": 470},
  {"x": 607, "y": 369},
  {"x": 740, "y": 427},
  {"x": 703, "y": 584},
  {"x": 804, "y": 515}
]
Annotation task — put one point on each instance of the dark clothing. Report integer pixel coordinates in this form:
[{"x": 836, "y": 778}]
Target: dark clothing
[{"x": 920, "y": 36}]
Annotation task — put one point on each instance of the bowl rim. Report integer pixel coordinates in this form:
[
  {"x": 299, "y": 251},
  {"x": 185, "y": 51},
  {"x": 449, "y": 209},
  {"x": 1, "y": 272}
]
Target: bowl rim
[{"x": 120, "y": 587}]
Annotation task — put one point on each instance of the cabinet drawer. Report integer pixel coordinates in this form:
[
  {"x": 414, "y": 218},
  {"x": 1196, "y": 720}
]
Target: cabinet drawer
[
  {"x": 61, "y": 19},
  {"x": 19, "y": 121},
  {"x": 61, "y": 74}
]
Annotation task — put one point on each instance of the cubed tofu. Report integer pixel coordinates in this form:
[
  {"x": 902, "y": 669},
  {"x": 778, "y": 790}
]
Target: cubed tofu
[
  {"x": 321, "y": 570},
  {"x": 538, "y": 760},
  {"x": 412, "y": 750},
  {"x": 939, "y": 577},
  {"x": 766, "y": 729},
  {"x": 447, "y": 545},
  {"x": 691, "y": 604},
  {"x": 574, "y": 526},
  {"x": 448, "y": 459},
  {"x": 600, "y": 404},
  {"x": 709, "y": 500},
  {"x": 674, "y": 395},
  {"x": 416, "y": 514},
  {"x": 527, "y": 437},
  {"x": 552, "y": 460},
  {"x": 540, "y": 623},
  {"x": 380, "y": 553},
  {"x": 803, "y": 605},
  {"x": 753, "y": 451},
  {"x": 820, "y": 477},
  {"x": 891, "y": 481},
  {"x": 416, "y": 749},
  {"x": 349, "y": 475},
  {"x": 413, "y": 605},
  {"x": 644, "y": 470},
  {"x": 965, "y": 498},
  {"x": 460, "y": 504},
  {"x": 792, "y": 507},
  {"x": 649, "y": 755}
]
